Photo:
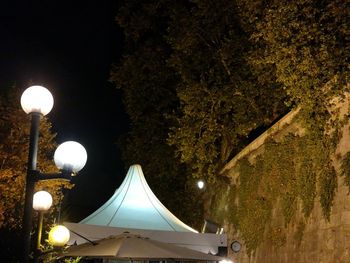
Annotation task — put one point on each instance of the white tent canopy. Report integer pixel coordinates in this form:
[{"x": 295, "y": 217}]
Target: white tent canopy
[
  {"x": 133, "y": 205},
  {"x": 134, "y": 208}
]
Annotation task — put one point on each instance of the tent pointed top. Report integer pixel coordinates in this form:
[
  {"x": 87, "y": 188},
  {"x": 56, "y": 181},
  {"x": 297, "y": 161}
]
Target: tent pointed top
[{"x": 134, "y": 205}]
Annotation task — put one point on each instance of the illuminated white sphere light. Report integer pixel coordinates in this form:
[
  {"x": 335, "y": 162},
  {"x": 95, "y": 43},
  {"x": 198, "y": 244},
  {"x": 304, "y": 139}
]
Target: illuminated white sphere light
[
  {"x": 200, "y": 184},
  {"x": 59, "y": 236},
  {"x": 70, "y": 155},
  {"x": 37, "y": 99},
  {"x": 42, "y": 201}
]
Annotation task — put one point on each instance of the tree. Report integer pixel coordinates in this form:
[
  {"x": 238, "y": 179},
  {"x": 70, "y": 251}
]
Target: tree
[
  {"x": 205, "y": 76},
  {"x": 222, "y": 98},
  {"x": 14, "y": 140},
  {"x": 307, "y": 42},
  {"x": 192, "y": 96},
  {"x": 149, "y": 95}
]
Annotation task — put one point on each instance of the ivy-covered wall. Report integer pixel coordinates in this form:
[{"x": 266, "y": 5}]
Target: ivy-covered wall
[{"x": 285, "y": 197}]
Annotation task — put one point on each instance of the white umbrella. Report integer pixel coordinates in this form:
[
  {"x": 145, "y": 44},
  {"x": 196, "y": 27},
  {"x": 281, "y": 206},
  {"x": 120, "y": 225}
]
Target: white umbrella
[{"x": 132, "y": 247}]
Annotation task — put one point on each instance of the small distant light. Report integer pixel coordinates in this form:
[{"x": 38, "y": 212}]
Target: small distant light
[
  {"x": 200, "y": 184},
  {"x": 225, "y": 261}
]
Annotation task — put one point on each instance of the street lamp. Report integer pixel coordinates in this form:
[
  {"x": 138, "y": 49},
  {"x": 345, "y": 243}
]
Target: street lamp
[
  {"x": 37, "y": 101},
  {"x": 59, "y": 236},
  {"x": 70, "y": 156},
  {"x": 42, "y": 202}
]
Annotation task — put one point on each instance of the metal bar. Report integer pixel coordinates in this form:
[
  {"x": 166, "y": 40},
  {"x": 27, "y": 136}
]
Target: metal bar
[
  {"x": 37, "y": 252},
  {"x": 40, "y": 230},
  {"x": 64, "y": 175},
  {"x": 88, "y": 240}
]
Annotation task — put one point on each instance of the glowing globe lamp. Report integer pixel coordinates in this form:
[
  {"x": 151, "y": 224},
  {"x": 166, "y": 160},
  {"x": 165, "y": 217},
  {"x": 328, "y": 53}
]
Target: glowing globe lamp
[
  {"x": 42, "y": 201},
  {"x": 37, "y": 99},
  {"x": 200, "y": 184},
  {"x": 70, "y": 156},
  {"x": 59, "y": 236}
]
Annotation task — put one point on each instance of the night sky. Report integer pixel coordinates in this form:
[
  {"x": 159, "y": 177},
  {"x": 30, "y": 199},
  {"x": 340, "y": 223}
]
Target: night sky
[{"x": 69, "y": 49}]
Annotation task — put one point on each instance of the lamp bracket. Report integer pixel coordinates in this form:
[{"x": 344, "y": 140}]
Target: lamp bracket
[{"x": 37, "y": 176}]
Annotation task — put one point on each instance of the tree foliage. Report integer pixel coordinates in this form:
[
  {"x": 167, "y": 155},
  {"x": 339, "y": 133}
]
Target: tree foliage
[
  {"x": 200, "y": 78},
  {"x": 187, "y": 62},
  {"x": 222, "y": 98},
  {"x": 307, "y": 42},
  {"x": 149, "y": 95}
]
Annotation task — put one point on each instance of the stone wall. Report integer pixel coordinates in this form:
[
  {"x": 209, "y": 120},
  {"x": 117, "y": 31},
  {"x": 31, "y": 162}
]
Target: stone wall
[{"x": 316, "y": 240}]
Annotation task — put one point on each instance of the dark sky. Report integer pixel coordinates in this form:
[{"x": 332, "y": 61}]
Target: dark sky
[{"x": 69, "y": 47}]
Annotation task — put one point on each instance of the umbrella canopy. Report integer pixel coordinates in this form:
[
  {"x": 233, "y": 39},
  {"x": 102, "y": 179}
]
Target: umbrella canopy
[{"x": 132, "y": 247}]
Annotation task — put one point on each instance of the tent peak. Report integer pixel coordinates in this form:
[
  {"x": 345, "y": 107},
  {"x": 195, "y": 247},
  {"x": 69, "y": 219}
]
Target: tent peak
[{"x": 134, "y": 205}]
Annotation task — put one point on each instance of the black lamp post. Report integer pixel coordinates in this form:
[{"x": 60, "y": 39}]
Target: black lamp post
[{"x": 70, "y": 157}]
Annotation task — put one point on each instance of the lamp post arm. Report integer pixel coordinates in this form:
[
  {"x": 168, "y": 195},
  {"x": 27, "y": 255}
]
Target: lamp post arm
[{"x": 63, "y": 175}]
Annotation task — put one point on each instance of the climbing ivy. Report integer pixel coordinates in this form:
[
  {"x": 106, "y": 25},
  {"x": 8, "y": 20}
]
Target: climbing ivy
[
  {"x": 289, "y": 168},
  {"x": 298, "y": 236},
  {"x": 307, "y": 188},
  {"x": 277, "y": 236},
  {"x": 328, "y": 185},
  {"x": 346, "y": 169},
  {"x": 224, "y": 203}
]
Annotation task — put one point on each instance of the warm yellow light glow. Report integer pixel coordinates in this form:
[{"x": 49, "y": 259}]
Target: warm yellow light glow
[
  {"x": 59, "y": 236},
  {"x": 70, "y": 155},
  {"x": 37, "y": 99},
  {"x": 225, "y": 261},
  {"x": 42, "y": 201}
]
